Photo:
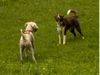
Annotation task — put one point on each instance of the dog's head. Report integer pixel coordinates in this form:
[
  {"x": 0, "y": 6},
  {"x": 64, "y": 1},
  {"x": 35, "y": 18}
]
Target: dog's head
[
  {"x": 31, "y": 26},
  {"x": 59, "y": 18}
]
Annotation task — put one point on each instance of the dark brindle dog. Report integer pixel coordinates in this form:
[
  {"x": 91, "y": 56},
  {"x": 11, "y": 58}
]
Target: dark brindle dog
[{"x": 67, "y": 23}]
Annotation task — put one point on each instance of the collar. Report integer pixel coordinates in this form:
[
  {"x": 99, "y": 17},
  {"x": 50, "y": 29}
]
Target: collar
[{"x": 27, "y": 31}]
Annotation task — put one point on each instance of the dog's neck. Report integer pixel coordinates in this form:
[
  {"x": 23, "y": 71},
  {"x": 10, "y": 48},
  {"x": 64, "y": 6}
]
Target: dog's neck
[{"x": 27, "y": 31}]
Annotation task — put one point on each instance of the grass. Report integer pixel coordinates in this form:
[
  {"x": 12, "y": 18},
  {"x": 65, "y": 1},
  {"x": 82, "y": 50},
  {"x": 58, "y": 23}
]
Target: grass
[{"x": 77, "y": 57}]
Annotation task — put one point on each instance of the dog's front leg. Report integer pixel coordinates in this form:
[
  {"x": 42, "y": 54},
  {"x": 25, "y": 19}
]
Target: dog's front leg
[
  {"x": 64, "y": 39},
  {"x": 59, "y": 36},
  {"x": 64, "y": 35}
]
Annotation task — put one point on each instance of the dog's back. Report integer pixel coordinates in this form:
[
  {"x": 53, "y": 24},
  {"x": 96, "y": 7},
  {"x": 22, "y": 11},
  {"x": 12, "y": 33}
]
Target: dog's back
[
  {"x": 26, "y": 38},
  {"x": 69, "y": 21}
]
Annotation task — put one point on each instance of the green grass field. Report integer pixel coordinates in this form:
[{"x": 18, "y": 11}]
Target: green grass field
[{"x": 77, "y": 57}]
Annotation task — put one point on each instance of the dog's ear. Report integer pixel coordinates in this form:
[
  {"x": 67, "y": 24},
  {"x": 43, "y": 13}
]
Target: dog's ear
[{"x": 34, "y": 25}]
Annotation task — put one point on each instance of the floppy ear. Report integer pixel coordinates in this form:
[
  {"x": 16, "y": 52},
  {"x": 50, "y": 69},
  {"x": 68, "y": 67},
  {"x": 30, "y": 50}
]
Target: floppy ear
[{"x": 34, "y": 25}]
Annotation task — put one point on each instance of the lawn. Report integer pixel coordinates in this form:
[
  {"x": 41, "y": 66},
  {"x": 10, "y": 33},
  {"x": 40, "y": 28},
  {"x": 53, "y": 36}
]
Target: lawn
[{"x": 77, "y": 57}]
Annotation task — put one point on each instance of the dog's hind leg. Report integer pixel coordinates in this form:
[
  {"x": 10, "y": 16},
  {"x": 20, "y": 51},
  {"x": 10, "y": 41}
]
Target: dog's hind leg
[
  {"x": 21, "y": 52},
  {"x": 79, "y": 29},
  {"x": 73, "y": 32},
  {"x": 33, "y": 57}
]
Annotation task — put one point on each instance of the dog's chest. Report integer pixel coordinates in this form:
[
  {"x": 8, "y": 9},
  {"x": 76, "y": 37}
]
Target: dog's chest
[{"x": 60, "y": 28}]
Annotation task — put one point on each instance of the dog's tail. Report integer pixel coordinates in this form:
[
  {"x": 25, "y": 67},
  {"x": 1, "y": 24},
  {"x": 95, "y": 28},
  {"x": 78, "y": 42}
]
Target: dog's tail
[
  {"x": 22, "y": 33},
  {"x": 73, "y": 13}
]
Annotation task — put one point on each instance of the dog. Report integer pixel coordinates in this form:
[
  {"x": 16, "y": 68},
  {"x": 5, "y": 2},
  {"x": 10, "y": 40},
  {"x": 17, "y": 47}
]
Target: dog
[
  {"x": 67, "y": 23},
  {"x": 27, "y": 39}
]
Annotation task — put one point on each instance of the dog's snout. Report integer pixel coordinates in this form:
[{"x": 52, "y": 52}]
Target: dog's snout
[{"x": 37, "y": 27}]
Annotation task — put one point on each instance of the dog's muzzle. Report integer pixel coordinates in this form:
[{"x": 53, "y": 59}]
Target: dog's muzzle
[{"x": 35, "y": 30}]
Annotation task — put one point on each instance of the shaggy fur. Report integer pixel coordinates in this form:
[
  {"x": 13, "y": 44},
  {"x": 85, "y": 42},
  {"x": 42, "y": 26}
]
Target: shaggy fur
[{"x": 27, "y": 39}]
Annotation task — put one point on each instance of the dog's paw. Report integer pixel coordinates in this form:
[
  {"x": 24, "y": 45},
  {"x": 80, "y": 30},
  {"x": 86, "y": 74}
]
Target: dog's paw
[
  {"x": 83, "y": 37},
  {"x": 64, "y": 43},
  {"x": 35, "y": 61}
]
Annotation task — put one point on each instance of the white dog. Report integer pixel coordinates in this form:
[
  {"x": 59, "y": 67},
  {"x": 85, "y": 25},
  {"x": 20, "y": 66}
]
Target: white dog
[{"x": 27, "y": 39}]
